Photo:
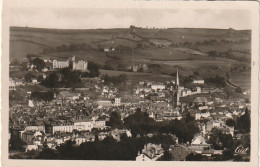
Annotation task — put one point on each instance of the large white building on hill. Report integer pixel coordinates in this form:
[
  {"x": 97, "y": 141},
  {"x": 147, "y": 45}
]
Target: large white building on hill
[{"x": 58, "y": 64}]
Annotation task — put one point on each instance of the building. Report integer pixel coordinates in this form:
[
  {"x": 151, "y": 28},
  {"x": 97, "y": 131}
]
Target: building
[
  {"x": 116, "y": 133},
  {"x": 104, "y": 103},
  {"x": 198, "y": 81},
  {"x": 151, "y": 152},
  {"x": 178, "y": 90},
  {"x": 200, "y": 101},
  {"x": 99, "y": 123},
  {"x": 11, "y": 84},
  {"x": 83, "y": 124},
  {"x": 14, "y": 82},
  {"x": 35, "y": 128},
  {"x": 117, "y": 101},
  {"x": 157, "y": 87},
  {"x": 58, "y": 64},
  {"x": 34, "y": 81},
  {"x": 62, "y": 128},
  {"x": 66, "y": 95},
  {"x": 80, "y": 65}
]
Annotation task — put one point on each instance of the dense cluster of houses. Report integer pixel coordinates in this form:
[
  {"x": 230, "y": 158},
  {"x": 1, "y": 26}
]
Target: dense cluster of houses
[
  {"x": 76, "y": 114},
  {"x": 36, "y": 137}
]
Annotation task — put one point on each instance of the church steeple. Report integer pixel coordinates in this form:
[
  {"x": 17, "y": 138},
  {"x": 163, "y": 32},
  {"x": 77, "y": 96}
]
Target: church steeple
[
  {"x": 178, "y": 93},
  {"x": 177, "y": 79}
]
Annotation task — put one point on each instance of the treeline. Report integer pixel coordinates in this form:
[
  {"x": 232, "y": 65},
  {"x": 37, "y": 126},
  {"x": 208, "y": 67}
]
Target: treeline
[
  {"x": 141, "y": 124},
  {"x": 107, "y": 149},
  {"x": 65, "y": 78},
  {"x": 228, "y": 54},
  {"x": 65, "y": 48},
  {"x": 115, "y": 80},
  {"x": 242, "y": 123},
  {"x": 68, "y": 78},
  {"x": 42, "y": 96}
]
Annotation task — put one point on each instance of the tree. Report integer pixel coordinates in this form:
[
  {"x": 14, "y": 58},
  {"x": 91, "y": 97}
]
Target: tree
[
  {"x": 42, "y": 96},
  {"x": 196, "y": 73},
  {"x": 196, "y": 157},
  {"x": 115, "y": 120},
  {"x": 16, "y": 143},
  {"x": 238, "y": 90},
  {"x": 39, "y": 63},
  {"x": 244, "y": 122},
  {"x": 28, "y": 77},
  {"x": 47, "y": 153},
  {"x": 220, "y": 140},
  {"x": 93, "y": 69},
  {"x": 71, "y": 78},
  {"x": 230, "y": 122},
  {"x": 52, "y": 81},
  {"x": 15, "y": 62},
  {"x": 167, "y": 156},
  {"x": 189, "y": 118},
  {"x": 227, "y": 155}
]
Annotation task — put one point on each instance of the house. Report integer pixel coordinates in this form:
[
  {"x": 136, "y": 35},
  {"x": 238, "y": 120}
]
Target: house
[
  {"x": 198, "y": 81},
  {"x": 109, "y": 49},
  {"x": 15, "y": 82},
  {"x": 117, "y": 101},
  {"x": 45, "y": 70},
  {"x": 200, "y": 101},
  {"x": 44, "y": 76},
  {"x": 63, "y": 128},
  {"x": 198, "y": 144},
  {"x": 27, "y": 136},
  {"x": 157, "y": 87},
  {"x": 31, "y": 103},
  {"x": 59, "y": 140},
  {"x": 198, "y": 140},
  {"x": 80, "y": 139},
  {"x": 34, "y": 81},
  {"x": 99, "y": 124},
  {"x": 171, "y": 116},
  {"x": 218, "y": 100},
  {"x": 104, "y": 103},
  {"x": 11, "y": 84},
  {"x": 186, "y": 92},
  {"x": 67, "y": 95},
  {"x": 151, "y": 152},
  {"x": 83, "y": 124},
  {"x": 102, "y": 135},
  {"x": 35, "y": 128},
  {"x": 116, "y": 133},
  {"x": 30, "y": 147}
]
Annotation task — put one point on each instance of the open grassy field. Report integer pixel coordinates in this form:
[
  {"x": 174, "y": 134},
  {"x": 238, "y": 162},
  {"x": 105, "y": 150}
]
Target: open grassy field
[
  {"x": 182, "y": 35},
  {"x": 139, "y": 76},
  {"x": 241, "y": 79},
  {"x": 34, "y": 40}
]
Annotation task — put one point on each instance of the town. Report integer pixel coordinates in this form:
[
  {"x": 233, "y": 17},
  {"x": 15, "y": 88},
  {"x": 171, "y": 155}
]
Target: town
[{"x": 81, "y": 111}]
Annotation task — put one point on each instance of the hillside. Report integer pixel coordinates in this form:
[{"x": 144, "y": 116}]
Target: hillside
[
  {"x": 25, "y": 41},
  {"x": 209, "y": 51}
]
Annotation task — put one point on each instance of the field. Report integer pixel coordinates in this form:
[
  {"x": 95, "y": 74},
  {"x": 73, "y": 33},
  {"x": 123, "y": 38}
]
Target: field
[
  {"x": 241, "y": 79},
  {"x": 139, "y": 76},
  {"x": 184, "y": 48}
]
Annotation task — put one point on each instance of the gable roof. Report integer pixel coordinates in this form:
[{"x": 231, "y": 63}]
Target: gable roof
[
  {"x": 66, "y": 94},
  {"x": 200, "y": 100}
]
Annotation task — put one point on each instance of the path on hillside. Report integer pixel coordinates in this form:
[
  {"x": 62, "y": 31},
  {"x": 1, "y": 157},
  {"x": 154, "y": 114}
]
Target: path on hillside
[{"x": 230, "y": 84}]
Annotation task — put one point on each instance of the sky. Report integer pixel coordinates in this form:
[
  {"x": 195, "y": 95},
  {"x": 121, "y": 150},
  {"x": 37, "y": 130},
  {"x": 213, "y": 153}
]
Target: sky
[{"x": 89, "y": 18}]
